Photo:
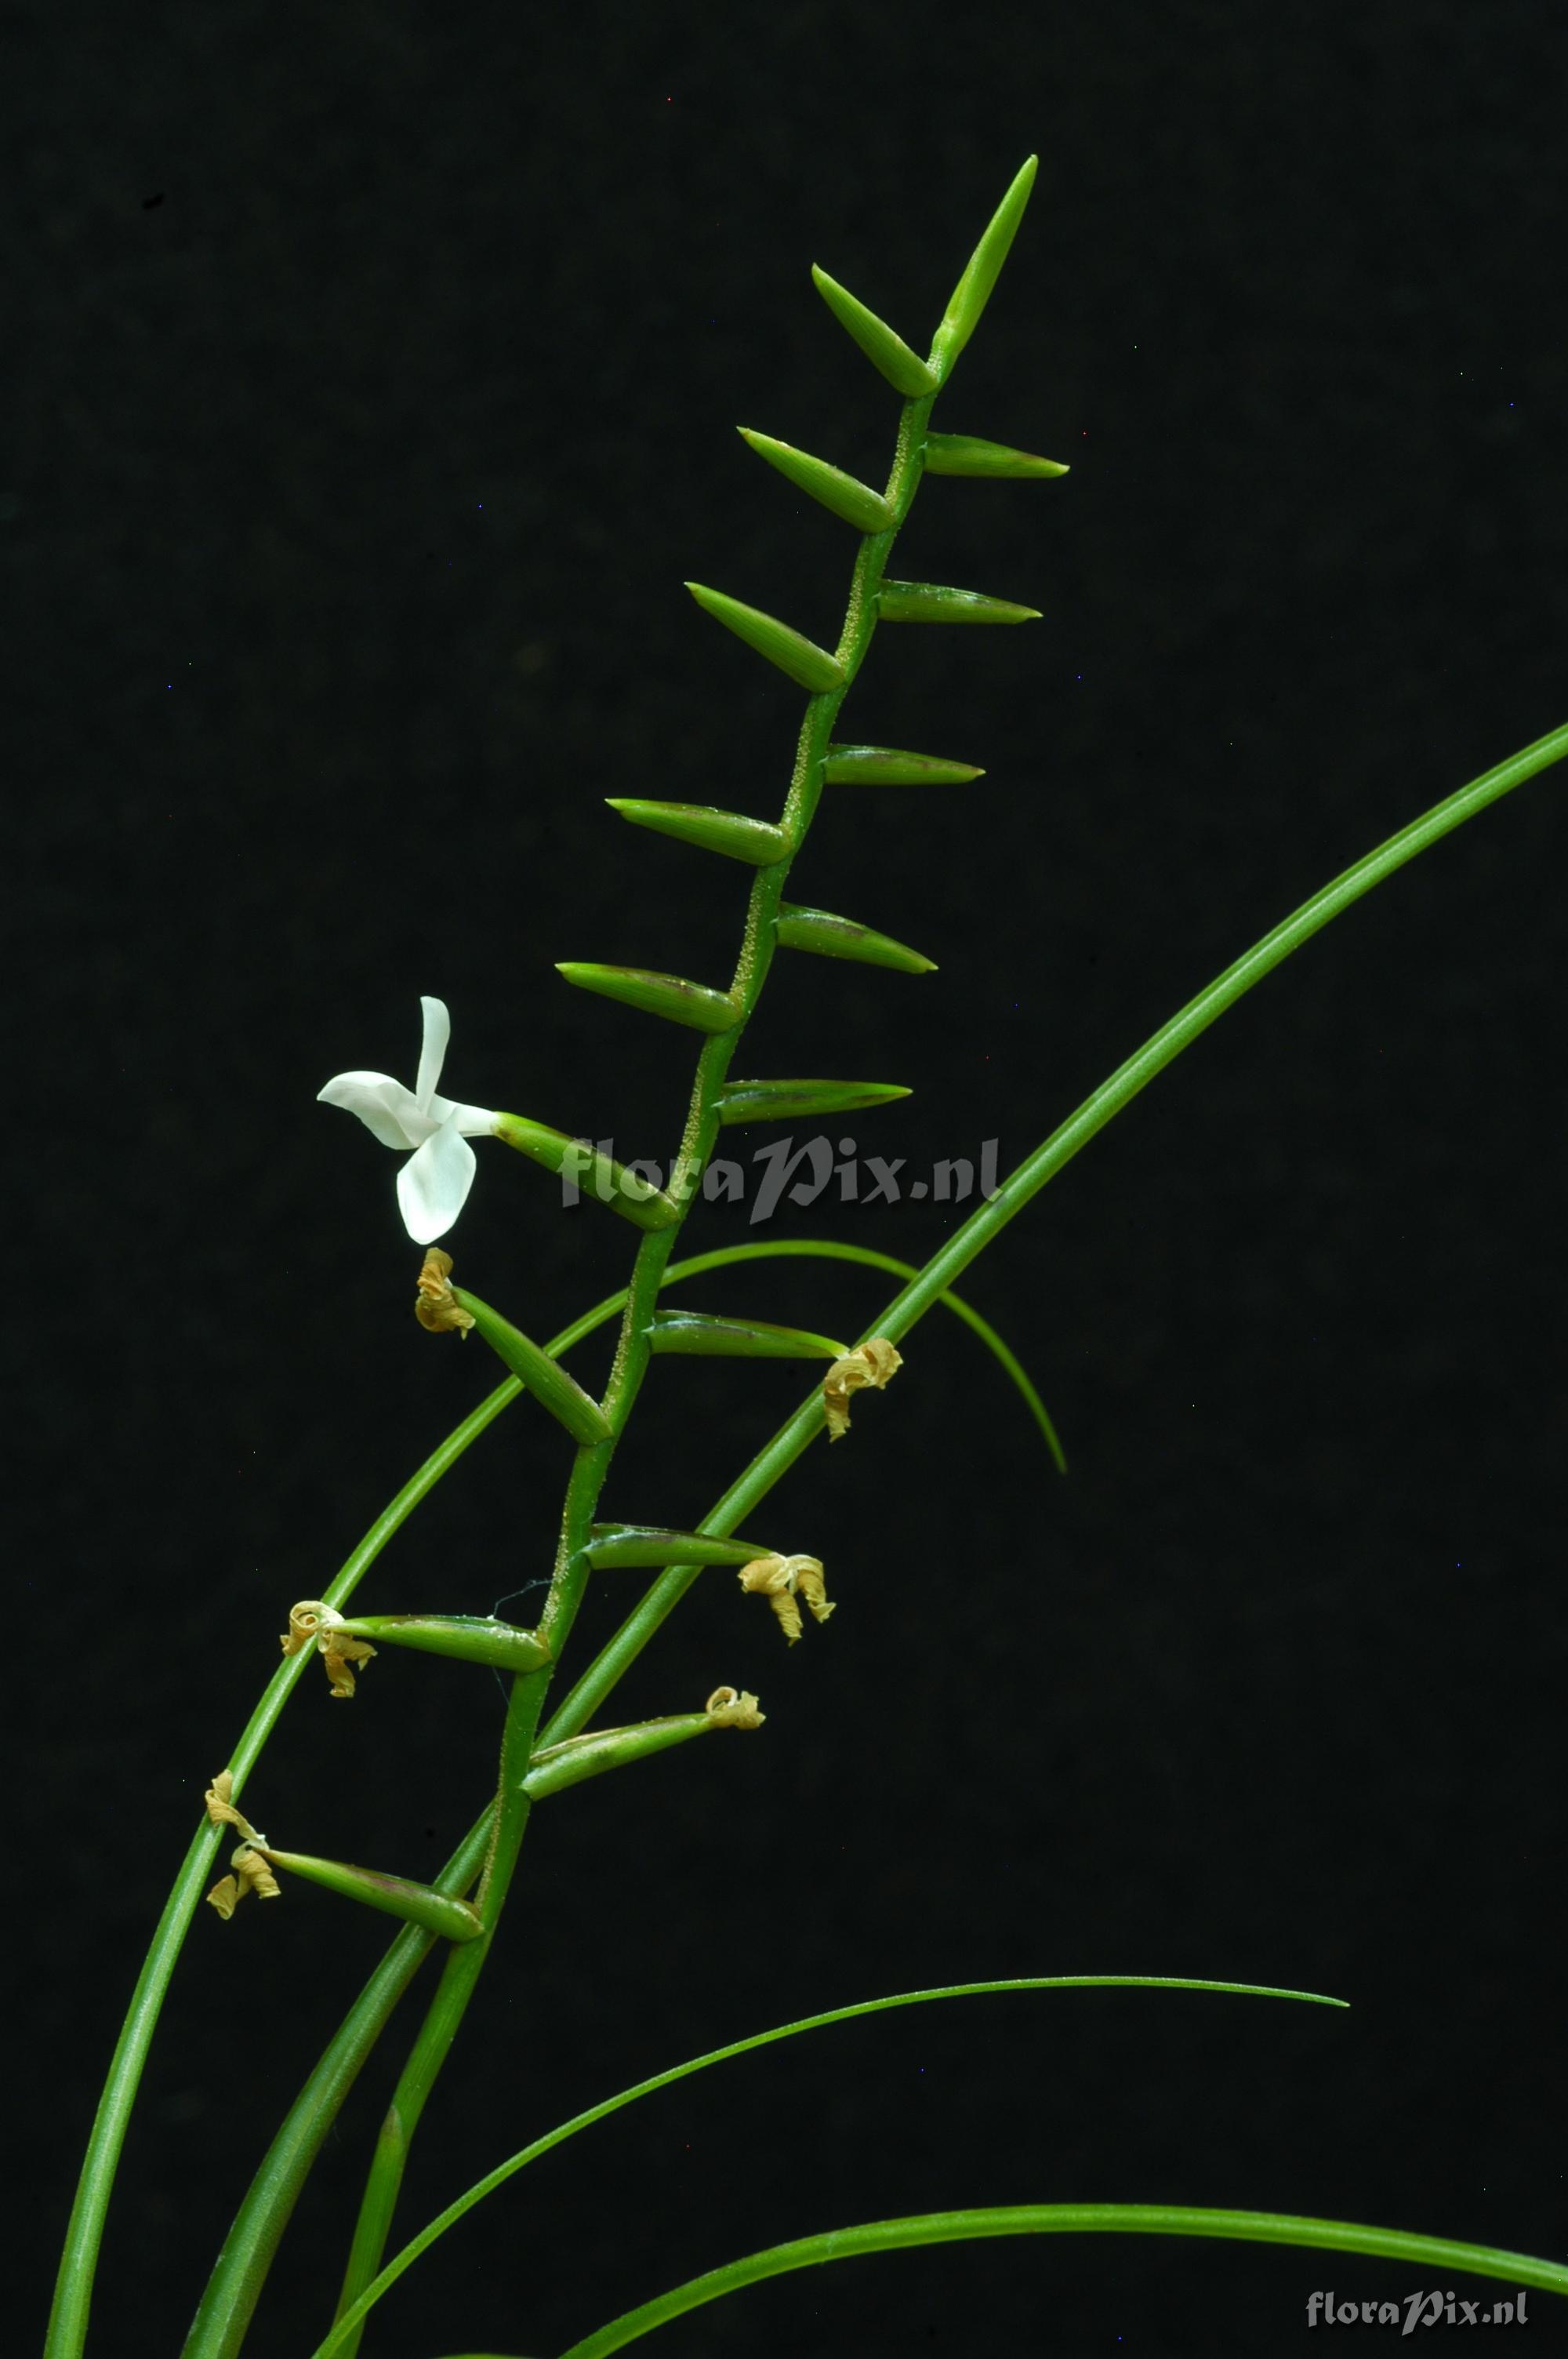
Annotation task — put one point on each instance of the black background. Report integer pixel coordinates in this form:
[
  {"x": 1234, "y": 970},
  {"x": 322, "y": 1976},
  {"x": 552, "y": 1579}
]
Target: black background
[{"x": 381, "y": 372}]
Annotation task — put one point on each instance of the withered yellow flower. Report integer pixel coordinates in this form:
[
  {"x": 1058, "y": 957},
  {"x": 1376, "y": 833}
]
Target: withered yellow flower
[
  {"x": 436, "y": 1306},
  {"x": 726, "y": 1708},
  {"x": 784, "y": 1579},
  {"x": 221, "y": 1810},
  {"x": 252, "y": 1874},
  {"x": 312, "y": 1621},
  {"x": 868, "y": 1363}
]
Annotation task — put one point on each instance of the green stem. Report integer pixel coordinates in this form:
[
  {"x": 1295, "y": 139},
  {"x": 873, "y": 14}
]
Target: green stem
[
  {"x": 633, "y": 1352},
  {"x": 1430, "y": 2255},
  {"x": 988, "y": 1220}
]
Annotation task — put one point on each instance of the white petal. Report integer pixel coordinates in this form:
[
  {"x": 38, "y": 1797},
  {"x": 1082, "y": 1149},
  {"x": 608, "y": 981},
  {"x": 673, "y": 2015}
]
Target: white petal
[
  {"x": 433, "y": 1185},
  {"x": 474, "y": 1122},
  {"x": 433, "y": 1049},
  {"x": 390, "y": 1112}
]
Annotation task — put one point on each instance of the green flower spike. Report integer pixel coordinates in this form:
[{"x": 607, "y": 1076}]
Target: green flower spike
[
  {"x": 755, "y": 841},
  {"x": 931, "y": 601},
  {"x": 887, "y": 765},
  {"x": 904, "y": 371},
  {"x": 669, "y": 995},
  {"x": 706, "y": 1337},
  {"x": 841, "y": 937},
  {"x": 809, "y": 666},
  {"x": 854, "y": 502},
  {"x": 744, "y": 1102},
  {"x": 966, "y": 454},
  {"x": 972, "y": 293}
]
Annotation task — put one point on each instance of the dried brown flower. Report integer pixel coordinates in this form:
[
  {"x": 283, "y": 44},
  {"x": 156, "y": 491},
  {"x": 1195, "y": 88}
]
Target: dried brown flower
[
  {"x": 784, "y": 1579},
  {"x": 868, "y": 1363},
  {"x": 436, "y": 1306}
]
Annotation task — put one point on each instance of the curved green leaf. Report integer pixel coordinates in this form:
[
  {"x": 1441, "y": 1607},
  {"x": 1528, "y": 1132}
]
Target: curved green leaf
[
  {"x": 555, "y": 1766},
  {"x": 1429, "y": 2255},
  {"x": 476, "y": 2194}
]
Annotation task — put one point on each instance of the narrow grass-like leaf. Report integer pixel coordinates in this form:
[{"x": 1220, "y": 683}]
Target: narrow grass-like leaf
[
  {"x": 905, "y": 370},
  {"x": 394, "y": 1895},
  {"x": 463, "y": 1638},
  {"x": 887, "y": 765},
  {"x": 556, "y": 1767},
  {"x": 475, "y": 2195},
  {"x": 972, "y": 292},
  {"x": 854, "y": 502},
  {"x": 670, "y": 996},
  {"x": 647, "y": 1544},
  {"x": 809, "y": 666},
  {"x": 1427, "y": 2256},
  {"x": 755, "y": 841},
  {"x": 840, "y": 937},
  {"x": 744, "y": 1101},
  {"x": 932, "y": 601},
  {"x": 545, "y": 1378},
  {"x": 591, "y": 1172},
  {"x": 966, "y": 454},
  {"x": 700, "y": 1333}
]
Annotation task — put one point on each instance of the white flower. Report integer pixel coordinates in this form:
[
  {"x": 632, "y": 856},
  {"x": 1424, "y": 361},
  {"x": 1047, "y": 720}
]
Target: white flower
[{"x": 433, "y": 1185}]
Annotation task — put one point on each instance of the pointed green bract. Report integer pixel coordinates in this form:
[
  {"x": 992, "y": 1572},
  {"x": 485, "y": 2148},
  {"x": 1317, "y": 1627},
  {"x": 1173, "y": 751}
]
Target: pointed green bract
[
  {"x": 544, "y": 1377},
  {"x": 462, "y": 1637},
  {"x": 699, "y": 1332},
  {"x": 934, "y": 601},
  {"x": 809, "y": 666},
  {"x": 888, "y": 766},
  {"x": 905, "y": 370},
  {"x": 560, "y": 1766},
  {"x": 972, "y": 293},
  {"x": 841, "y": 937},
  {"x": 589, "y": 1171},
  {"x": 855, "y": 502},
  {"x": 744, "y": 1101},
  {"x": 670, "y": 996},
  {"x": 756, "y": 840},
  {"x": 966, "y": 454},
  {"x": 647, "y": 1544},
  {"x": 416, "y": 1904}
]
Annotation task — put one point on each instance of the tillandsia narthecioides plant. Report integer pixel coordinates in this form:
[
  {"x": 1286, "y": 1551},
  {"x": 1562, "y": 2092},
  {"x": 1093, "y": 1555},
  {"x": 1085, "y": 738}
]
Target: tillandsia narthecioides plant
[{"x": 557, "y": 1731}]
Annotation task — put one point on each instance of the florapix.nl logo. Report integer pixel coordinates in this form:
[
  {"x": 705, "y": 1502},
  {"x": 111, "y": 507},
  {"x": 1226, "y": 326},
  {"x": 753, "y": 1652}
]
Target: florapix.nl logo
[{"x": 783, "y": 1170}]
